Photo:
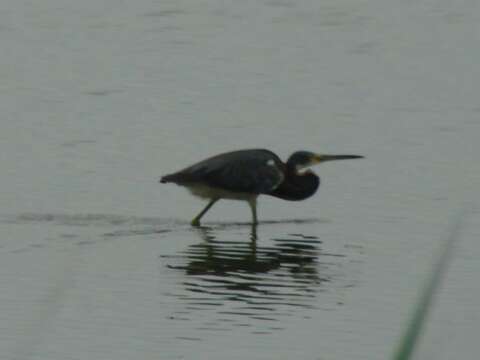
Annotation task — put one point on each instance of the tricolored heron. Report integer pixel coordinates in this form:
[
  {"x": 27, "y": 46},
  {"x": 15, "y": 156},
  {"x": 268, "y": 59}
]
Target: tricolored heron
[{"x": 246, "y": 174}]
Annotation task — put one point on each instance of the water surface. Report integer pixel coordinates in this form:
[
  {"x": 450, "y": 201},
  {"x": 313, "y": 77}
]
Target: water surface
[{"x": 98, "y": 260}]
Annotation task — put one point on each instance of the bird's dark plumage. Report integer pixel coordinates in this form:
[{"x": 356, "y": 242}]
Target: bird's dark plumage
[
  {"x": 245, "y": 174},
  {"x": 255, "y": 171}
]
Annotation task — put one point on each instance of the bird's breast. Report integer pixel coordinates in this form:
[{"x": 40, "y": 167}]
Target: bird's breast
[{"x": 209, "y": 192}]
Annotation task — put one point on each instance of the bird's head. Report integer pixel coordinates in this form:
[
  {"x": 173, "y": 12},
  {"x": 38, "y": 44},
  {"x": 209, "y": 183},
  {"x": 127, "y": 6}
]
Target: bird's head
[{"x": 304, "y": 159}]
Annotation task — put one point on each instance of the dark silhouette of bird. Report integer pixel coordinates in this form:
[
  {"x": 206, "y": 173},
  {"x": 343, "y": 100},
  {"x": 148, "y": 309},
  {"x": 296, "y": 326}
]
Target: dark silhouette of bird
[{"x": 246, "y": 174}]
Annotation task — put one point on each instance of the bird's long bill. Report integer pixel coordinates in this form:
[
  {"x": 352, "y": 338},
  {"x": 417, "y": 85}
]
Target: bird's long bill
[{"x": 322, "y": 158}]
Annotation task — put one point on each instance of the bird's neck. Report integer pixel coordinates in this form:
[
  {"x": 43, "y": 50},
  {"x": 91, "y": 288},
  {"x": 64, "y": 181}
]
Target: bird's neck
[
  {"x": 297, "y": 186},
  {"x": 305, "y": 184}
]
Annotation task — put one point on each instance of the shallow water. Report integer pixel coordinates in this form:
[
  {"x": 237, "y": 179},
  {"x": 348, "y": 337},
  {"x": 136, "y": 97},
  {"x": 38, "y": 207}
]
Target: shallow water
[
  {"x": 147, "y": 280},
  {"x": 98, "y": 260}
]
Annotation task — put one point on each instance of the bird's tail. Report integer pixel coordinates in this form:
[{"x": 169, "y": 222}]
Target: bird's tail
[
  {"x": 176, "y": 178},
  {"x": 165, "y": 179}
]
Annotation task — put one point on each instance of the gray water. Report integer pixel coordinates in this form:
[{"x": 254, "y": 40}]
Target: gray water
[{"x": 100, "y": 98}]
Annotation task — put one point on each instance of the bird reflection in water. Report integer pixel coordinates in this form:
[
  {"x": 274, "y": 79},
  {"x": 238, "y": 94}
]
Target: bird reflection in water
[
  {"x": 212, "y": 257},
  {"x": 260, "y": 280}
]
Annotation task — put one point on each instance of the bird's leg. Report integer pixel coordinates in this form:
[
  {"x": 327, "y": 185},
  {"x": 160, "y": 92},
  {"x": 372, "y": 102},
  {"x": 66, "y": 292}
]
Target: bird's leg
[
  {"x": 253, "y": 237},
  {"x": 253, "y": 206},
  {"x": 196, "y": 219}
]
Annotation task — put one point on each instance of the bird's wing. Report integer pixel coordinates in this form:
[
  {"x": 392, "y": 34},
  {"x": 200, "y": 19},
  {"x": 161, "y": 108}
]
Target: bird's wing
[
  {"x": 250, "y": 175},
  {"x": 254, "y": 171}
]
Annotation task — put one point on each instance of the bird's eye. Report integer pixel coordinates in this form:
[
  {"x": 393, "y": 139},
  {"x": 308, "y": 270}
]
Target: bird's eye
[{"x": 271, "y": 162}]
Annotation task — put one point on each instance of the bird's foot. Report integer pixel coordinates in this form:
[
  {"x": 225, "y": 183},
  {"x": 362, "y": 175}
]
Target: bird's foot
[{"x": 195, "y": 222}]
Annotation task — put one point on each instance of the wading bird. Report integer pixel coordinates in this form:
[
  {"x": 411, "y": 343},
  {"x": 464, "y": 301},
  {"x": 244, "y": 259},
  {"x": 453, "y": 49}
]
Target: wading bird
[{"x": 246, "y": 174}]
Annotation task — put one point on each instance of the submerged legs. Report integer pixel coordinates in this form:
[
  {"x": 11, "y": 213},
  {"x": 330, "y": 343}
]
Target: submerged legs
[
  {"x": 196, "y": 219},
  {"x": 253, "y": 206}
]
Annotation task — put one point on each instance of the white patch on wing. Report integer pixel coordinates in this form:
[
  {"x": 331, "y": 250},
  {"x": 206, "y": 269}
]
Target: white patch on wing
[{"x": 271, "y": 162}]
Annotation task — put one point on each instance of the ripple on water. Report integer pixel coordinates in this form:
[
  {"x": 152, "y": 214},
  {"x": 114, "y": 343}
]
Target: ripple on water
[
  {"x": 241, "y": 282},
  {"x": 86, "y": 219},
  {"x": 89, "y": 228}
]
